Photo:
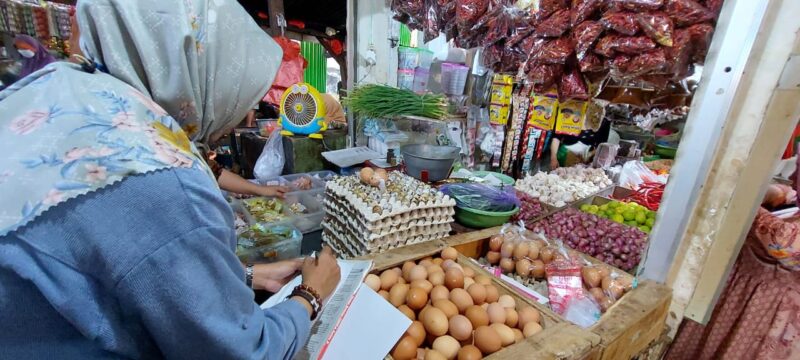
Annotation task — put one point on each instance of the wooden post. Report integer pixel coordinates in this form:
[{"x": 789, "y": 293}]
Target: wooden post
[
  {"x": 767, "y": 106},
  {"x": 275, "y": 8}
]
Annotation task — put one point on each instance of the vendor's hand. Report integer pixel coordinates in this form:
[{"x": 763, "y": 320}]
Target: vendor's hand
[
  {"x": 273, "y": 191},
  {"x": 272, "y": 277},
  {"x": 554, "y": 164},
  {"x": 321, "y": 273}
]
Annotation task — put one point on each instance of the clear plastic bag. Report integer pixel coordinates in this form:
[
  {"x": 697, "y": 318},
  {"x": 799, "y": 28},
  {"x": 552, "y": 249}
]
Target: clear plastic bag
[
  {"x": 572, "y": 86},
  {"x": 555, "y": 51},
  {"x": 651, "y": 61},
  {"x": 637, "y": 5},
  {"x": 658, "y": 26},
  {"x": 687, "y": 12},
  {"x": 270, "y": 162},
  {"x": 582, "y": 311},
  {"x": 585, "y": 35},
  {"x": 556, "y": 25},
  {"x": 635, "y": 173},
  {"x": 622, "y": 22},
  {"x": 482, "y": 197},
  {"x": 583, "y": 10}
]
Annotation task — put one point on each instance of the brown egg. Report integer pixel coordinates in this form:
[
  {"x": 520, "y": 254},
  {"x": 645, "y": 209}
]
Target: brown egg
[
  {"x": 533, "y": 251},
  {"x": 507, "y": 301},
  {"x": 407, "y": 269},
  {"x": 547, "y": 254},
  {"x": 485, "y": 306},
  {"x": 447, "y": 264},
  {"x": 470, "y": 352},
  {"x": 527, "y": 315},
  {"x": 366, "y": 175},
  {"x": 418, "y": 272},
  {"x": 604, "y": 271},
  {"x": 381, "y": 173},
  {"x": 469, "y": 340},
  {"x": 493, "y": 257},
  {"x": 497, "y": 313},
  {"x": 447, "y": 346},
  {"x": 400, "y": 280},
  {"x": 492, "y": 294},
  {"x": 537, "y": 269},
  {"x": 417, "y": 332},
  {"x": 523, "y": 268},
  {"x": 512, "y": 318},
  {"x": 518, "y": 336},
  {"x": 388, "y": 279},
  {"x": 507, "y": 250},
  {"x": 436, "y": 278},
  {"x": 384, "y": 294},
  {"x": 487, "y": 340},
  {"x": 461, "y": 299},
  {"x": 495, "y": 243},
  {"x": 447, "y": 307},
  {"x": 416, "y": 298},
  {"x": 612, "y": 288},
  {"x": 468, "y": 272},
  {"x": 407, "y": 312},
  {"x": 478, "y": 293},
  {"x": 597, "y": 294},
  {"x": 449, "y": 253},
  {"x": 606, "y": 304},
  {"x": 507, "y": 265},
  {"x": 591, "y": 277},
  {"x": 531, "y": 329},
  {"x": 397, "y": 295},
  {"x": 437, "y": 261},
  {"x": 483, "y": 280},
  {"x": 405, "y": 349},
  {"x": 505, "y": 333},
  {"x": 435, "y": 321},
  {"x": 521, "y": 251},
  {"x": 453, "y": 278},
  {"x": 431, "y": 354},
  {"x": 422, "y": 284},
  {"x": 373, "y": 281},
  {"x": 434, "y": 268},
  {"x": 439, "y": 292},
  {"x": 468, "y": 282},
  {"x": 398, "y": 270},
  {"x": 477, "y": 316},
  {"x": 460, "y": 327}
]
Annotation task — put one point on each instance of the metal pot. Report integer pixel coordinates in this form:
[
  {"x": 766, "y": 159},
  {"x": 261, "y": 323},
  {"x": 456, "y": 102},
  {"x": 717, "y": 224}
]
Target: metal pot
[{"x": 435, "y": 160}]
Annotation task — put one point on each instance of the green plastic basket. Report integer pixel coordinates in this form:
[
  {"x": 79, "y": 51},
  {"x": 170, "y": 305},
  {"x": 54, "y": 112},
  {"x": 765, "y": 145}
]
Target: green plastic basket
[
  {"x": 479, "y": 219},
  {"x": 507, "y": 180},
  {"x": 666, "y": 151}
]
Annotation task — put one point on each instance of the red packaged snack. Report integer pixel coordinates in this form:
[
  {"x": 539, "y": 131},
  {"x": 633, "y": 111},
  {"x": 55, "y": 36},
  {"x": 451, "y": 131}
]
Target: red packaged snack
[
  {"x": 556, "y": 25},
  {"x": 637, "y": 5},
  {"x": 605, "y": 46},
  {"x": 687, "y": 12},
  {"x": 679, "y": 55},
  {"x": 554, "y": 51},
  {"x": 564, "y": 283},
  {"x": 657, "y": 26},
  {"x": 619, "y": 65},
  {"x": 591, "y": 63},
  {"x": 572, "y": 86},
  {"x": 430, "y": 23},
  {"x": 544, "y": 75},
  {"x": 584, "y": 9},
  {"x": 547, "y": 8},
  {"x": 622, "y": 22},
  {"x": 585, "y": 35},
  {"x": 633, "y": 45},
  {"x": 714, "y": 5},
  {"x": 701, "y": 39},
  {"x": 469, "y": 11},
  {"x": 648, "y": 62}
]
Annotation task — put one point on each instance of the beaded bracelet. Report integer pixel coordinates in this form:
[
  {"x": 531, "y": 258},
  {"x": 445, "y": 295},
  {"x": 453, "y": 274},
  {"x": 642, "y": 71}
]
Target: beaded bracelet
[{"x": 307, "y": 293}]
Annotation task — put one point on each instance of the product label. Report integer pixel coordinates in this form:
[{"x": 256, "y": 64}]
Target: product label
[
  {"x": 571, "y": 117},
  {"x": 544, "y": 110}
]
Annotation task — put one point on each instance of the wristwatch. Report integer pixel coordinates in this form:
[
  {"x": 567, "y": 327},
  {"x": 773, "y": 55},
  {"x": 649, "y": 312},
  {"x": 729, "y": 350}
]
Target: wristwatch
[{"x": 248, "y": 275}]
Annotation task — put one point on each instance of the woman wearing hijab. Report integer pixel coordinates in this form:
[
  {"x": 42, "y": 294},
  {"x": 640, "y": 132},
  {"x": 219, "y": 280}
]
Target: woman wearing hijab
[
  {"x": 115, "y": 241},
  {"x": 34, "y": 55}
]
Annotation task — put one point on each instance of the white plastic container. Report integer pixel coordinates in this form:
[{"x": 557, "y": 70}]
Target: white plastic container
[
  {"x": 405, "y": 79},
  {"x": 408, "y": 58},
  {"x": 421, "y": 77},
  {"x": 454, "y": 78}
]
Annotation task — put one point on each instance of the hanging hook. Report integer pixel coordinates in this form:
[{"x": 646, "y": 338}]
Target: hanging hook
[{"x": 281, "y": 23}]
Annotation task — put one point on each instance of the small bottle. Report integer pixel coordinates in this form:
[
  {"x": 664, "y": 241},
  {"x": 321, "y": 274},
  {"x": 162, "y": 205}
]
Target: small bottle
[{"x": 390, "y": 158}]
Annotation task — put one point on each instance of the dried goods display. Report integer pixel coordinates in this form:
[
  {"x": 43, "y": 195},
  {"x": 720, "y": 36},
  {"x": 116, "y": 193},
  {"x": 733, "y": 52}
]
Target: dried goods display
[
  {"x": 455, "y": 312},
  {"x": 265, "y": 210},
  {"x": 530, "y": 208},
  {"x": 525, "y": 257},
  {"x": 364, "y": 219},
  {"x": 302, "y": 183},
  {"x": 615, "y": 244},
  {"x": 648, "y": 195},
  {"x": 564, "y": 185},
  {"x": 631, "y": 214}
]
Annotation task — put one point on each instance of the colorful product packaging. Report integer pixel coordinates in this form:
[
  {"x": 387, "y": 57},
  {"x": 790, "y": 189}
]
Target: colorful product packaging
[
  {"x": 571, "y": 117},
  {"x": 544, "y": 111}
]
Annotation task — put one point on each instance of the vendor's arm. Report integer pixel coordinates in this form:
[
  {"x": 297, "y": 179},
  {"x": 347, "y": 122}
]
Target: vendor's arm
[
  {"x": 234, "y": 183},
  {"x": 191, "y": 296},
  {"x": 554, "y": 145}
]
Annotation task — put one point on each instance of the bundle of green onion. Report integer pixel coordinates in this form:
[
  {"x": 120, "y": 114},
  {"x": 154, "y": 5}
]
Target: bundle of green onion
[{"x": 380, "y": 101}]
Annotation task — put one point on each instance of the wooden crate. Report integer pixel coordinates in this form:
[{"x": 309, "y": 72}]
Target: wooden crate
[
  {"x": 626, "y": 329},
  {"x": 558, "y": 340}
]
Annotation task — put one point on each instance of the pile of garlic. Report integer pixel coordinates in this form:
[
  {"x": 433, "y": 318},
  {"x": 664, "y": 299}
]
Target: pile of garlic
[{"x": 564, "y": 185}]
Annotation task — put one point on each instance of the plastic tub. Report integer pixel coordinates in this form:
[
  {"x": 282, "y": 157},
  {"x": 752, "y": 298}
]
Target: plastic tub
[
  {"x": 425, "y": 58},
  {"x": 242, "y": 206},
  {"x": 454, "y": 78},
  {"x": 479, "y": 219},
  {"x": 507, "y": 180},
  {"x": 269, "y": 243},
  {"x": 421, "y": 77},
  {"x": 408, "y": 58},
  {"x": 405, "y": 79}
]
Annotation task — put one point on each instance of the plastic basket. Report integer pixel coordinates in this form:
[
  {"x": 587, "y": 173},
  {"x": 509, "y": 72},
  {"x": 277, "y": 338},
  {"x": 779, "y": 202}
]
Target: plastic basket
[
  {"x": 408, "y": 58},
  {"x": 454, "y": 78}
]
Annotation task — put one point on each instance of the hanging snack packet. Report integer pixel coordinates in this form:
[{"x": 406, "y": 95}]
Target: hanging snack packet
[
  {"x": 637, "y": 5},
  {"x": 622, "y": 22},
  {"x": 631, "y": 45},
  {"x": 544, "y": 75},
  {"x": 583, "y": 10},
  {"x": 571, "y": 117},
  {"x": 591, "y": 63},
  {"x": 687, "y": 12},
  {"x": 542, "y": 9},
  {"x": 701, "y": 40},
  {"x": 585, "y": 35},
  {"x": 679, "y": 56},
  {"x": 554, "y": 51},
  {"x": 714, "y": 6},
  {"x": 556, "y": 25},
  {"x": 573, "y": 86},
  {"x": 544, "y": 110},
  {"x": 651, "y": 61},
  {"x": 658, "y": 26}
]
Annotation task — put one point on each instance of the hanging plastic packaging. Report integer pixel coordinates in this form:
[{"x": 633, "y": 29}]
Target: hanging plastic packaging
[
  {"x": 657, "y": 26},
  {"x": 482, "y": 197},
  {"x": 609, "y": 45},
  {"x": 622, "y": 22},
  {"x": 572, "y": 86},
  {"x": 583, "y": 10},
  {"x": 554, "y": 51},
  {"x": 270, "y": 162},
  {"x": 591, "y": 63},
  {"x": 585, "y": 35},
  {"x": 687, "y": 12},
  {"x": 701, "y": 40},
  {"x": 679, "y": 56},
  {"x": 556, "y": 25},
  {"x": 637, "y": 5},
  {"x": 291, "y": 71},
  {"x": 547, "y": 8},
  {"x": 651, "y": 61}
]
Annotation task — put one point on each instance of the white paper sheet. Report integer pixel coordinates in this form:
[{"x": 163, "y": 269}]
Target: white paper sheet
[{"x": 352, "y": 156}]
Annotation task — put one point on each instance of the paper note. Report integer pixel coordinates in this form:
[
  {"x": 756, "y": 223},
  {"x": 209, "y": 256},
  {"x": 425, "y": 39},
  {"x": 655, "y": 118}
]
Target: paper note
[{"x": 352, "y": 156}]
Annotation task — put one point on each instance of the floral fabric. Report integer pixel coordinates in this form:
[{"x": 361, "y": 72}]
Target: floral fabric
[{"x": 66, "y": 133}]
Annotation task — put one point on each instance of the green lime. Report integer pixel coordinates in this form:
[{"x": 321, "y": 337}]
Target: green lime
[
  {"x": 650, "y": 222},
  {"x": 629, "y": 215},
  {"x": 641, "y": 218},
  {"x": 604, "y": 207},
  {"x": 619, "y": 210},
  {"x": 645, "y": 229},
  {"x": 651, "y": 215},
  {"x": 585, "y": 207},
  {"x": 618, "y": 218},
  {"x": 631, "y": 223},
  {"x": 594, "y": 208}
]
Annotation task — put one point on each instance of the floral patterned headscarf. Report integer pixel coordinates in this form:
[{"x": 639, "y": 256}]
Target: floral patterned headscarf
[{"x": 206, "y": 62}]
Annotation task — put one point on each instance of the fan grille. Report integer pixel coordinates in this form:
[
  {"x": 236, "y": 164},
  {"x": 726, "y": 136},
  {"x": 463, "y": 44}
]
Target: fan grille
[{"x": 300, "y": 109}]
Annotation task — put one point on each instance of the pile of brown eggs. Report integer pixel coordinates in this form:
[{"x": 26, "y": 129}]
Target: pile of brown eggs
[
  {"x": 526, "y": 259},
  {"x": 456, "y": 314}
]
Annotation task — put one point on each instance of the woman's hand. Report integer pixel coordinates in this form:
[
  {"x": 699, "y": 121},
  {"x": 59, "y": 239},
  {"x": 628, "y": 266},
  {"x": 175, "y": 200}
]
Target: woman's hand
[
  {"x": 272, "y": 277},
  {"x": 273, "y": 191},
  {"x": 321, "y": 273}
]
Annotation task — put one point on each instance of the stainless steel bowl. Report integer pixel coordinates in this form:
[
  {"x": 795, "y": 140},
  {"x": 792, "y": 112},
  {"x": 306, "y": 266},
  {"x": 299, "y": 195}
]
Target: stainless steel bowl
[{"x": 437, "y": 160}]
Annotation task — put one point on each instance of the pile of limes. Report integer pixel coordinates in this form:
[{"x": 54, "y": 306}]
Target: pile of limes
[{"x": 631, "y": 214}]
